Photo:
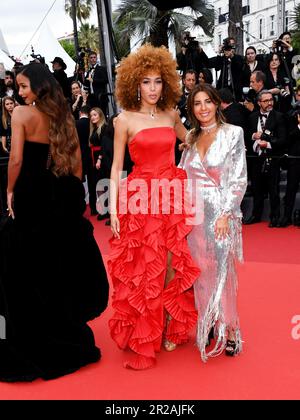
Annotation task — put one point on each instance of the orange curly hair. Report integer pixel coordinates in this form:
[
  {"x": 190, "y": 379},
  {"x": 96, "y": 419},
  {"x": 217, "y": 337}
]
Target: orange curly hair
[{"x": 134, "y": 67}]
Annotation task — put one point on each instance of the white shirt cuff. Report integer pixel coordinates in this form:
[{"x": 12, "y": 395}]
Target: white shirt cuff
[{"x": 256, "y": 146}]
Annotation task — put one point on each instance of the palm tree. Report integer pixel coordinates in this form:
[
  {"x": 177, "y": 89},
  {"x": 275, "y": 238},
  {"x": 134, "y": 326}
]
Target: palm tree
[
  {"x": 236, "y": 17},
  {"x": 83, "y": 8},
  {"x": 295, "y": 21},
  {"x": 88, "y": 37},
  {"x": 141, "y": 19}
]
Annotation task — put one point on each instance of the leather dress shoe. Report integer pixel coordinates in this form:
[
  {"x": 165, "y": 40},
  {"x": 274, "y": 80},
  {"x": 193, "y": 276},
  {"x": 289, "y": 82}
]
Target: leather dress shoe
[
  {"x": 273, "y": 223},
  {"x": 251, "y": 220},
  {"x": 284, "y": 222}
]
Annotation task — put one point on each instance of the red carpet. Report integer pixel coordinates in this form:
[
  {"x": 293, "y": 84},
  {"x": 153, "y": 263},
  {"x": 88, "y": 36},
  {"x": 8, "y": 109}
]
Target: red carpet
[{"x": 269, "y": 297}]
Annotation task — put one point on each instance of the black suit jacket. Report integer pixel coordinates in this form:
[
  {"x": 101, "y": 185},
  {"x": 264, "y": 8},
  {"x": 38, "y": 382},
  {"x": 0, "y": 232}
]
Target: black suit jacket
[
  {"x": 62, "y": 79},
  {"x": 100, "y": 80},
  {"x": 192, "y": 60},
  {"x": 294, "y": 142},
  {"x": 275, "y": 123},
  {"x": 235, "y": 114}
]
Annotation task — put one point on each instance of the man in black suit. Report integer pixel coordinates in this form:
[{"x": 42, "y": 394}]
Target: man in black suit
[
  {"x": 257, "y": 85},
  {"x": 96, "y": 80},
  {"x": 88, "y": 170},
  {"x": 189, "y": 80},
  {"x": 266, "y": 138}
]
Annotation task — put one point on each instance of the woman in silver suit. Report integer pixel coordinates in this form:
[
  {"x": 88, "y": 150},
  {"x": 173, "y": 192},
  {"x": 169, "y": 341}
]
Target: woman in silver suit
[{"x": 215, "y": 164}]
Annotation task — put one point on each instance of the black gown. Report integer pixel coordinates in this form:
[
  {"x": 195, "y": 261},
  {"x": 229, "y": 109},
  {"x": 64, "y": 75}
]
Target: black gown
[{"x": 52, "y": 276}]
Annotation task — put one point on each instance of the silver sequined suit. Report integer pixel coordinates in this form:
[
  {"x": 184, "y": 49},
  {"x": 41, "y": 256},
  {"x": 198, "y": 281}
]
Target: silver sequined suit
[{"x": 217, "y": 185}]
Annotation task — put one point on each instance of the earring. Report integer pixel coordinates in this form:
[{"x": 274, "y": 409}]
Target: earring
[
  {"x": 162, "y": 98},
  {"x": 139, "y": 94}
]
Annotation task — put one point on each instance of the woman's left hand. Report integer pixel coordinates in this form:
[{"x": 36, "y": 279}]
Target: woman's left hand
[
  {"x": 222, "y": 227},
  {"x": 10, "y": 200}
]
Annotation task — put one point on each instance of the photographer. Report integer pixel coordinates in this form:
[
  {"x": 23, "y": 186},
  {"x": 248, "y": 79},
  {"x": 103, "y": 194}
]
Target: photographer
[
  {"x": 293, "y": 164},
  {"x": 231, "y": 66},
  {"x": 266, "y": 138},
  {"x": 192, "y": 56},
  {"x": 283, "y": 47}
]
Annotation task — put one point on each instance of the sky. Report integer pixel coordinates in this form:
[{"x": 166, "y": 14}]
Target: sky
[{"x": 19, "y": 20}]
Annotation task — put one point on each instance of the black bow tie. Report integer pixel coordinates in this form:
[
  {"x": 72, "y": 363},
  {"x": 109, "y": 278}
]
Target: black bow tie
[{"x": 264, "y": 115}]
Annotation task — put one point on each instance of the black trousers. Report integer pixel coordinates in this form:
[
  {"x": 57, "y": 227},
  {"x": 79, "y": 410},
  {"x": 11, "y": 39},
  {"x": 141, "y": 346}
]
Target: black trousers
[
  {"x": 293, "y": 180},
  {"x": 262, "y": 182},
  {"x": 93, "y": 177}
]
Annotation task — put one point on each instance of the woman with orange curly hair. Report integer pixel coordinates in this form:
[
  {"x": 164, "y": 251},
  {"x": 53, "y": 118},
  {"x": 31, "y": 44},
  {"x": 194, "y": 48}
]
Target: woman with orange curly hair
[{"x": 150, "y": 264}]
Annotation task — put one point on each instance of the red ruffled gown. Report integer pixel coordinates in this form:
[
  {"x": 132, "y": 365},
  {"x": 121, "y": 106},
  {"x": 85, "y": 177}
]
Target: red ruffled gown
[{"x": 138, "y": 261}]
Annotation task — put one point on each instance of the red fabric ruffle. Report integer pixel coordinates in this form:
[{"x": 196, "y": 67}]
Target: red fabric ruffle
[{"x": 137, "y": 266}]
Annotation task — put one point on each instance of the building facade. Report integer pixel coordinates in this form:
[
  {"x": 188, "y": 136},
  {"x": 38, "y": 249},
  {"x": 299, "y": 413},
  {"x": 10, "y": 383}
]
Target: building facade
[{"x": 263, "y": 22}]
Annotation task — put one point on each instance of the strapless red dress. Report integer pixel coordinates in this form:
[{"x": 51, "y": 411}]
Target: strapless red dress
[{"x": 138, "y": 261}]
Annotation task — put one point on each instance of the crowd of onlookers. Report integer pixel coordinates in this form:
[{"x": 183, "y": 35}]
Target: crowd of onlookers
[
  {"x": 86, "y": 93},
  {"x": 258, "y": 93}
]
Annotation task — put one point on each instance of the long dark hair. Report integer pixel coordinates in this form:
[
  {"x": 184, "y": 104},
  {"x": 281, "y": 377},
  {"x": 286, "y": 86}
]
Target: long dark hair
[
  {"x": 214, "y": 97},
  {"x": 50, "y": 100}
]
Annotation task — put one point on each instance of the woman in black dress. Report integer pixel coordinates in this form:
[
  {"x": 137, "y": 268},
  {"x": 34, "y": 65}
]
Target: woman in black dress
[
  {"x": 52, "y": 277},
  {"x": 8, "y": 105}
]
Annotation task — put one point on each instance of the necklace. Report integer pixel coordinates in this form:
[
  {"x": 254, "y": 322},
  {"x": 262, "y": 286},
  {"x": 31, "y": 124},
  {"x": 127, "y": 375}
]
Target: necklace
[
  {"x": 150, "y": 113},
  {"x": 209, "y": 128}
]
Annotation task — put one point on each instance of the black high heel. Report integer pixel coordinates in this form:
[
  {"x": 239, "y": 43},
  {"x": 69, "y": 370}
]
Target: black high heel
[
  {"x": 231, "y": 348},
  {"x": 210, "y": 337}
]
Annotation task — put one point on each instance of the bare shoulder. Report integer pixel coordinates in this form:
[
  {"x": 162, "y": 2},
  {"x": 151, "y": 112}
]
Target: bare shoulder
[
  {"x": 172, "y": 113},
  {"x": 123, "y": 119},
  {"x": 24, "y": 112},
  {"x": 20, "y": 112}
]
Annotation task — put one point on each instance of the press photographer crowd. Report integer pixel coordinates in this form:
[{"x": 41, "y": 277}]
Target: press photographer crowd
[{"x": 260, "y": 93}]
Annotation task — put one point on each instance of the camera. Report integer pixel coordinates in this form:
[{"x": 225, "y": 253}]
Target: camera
[
  {"x": 227, "y": 46},
  {"x": 37, "y": 58},
  {"x": 266, "y": 136},
  {"x": 277, "y": 45},
  {"x": 190, "y": 43},
  {"x": 283, "y": 91},
  {"x": 249, "y": 94}
]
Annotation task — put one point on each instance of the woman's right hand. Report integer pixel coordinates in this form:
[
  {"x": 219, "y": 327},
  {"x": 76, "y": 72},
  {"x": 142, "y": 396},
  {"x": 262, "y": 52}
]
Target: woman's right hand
[
  {"x": 10, "y": 199},
  {"x": 115, "y": 225}
]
